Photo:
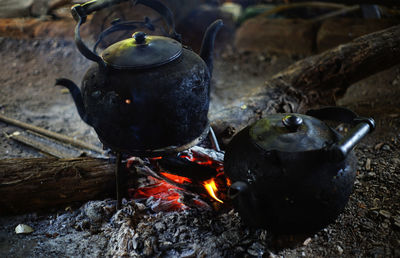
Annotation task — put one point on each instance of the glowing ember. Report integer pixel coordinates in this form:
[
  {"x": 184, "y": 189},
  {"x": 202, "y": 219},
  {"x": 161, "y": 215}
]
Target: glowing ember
[
  {"x": 177, "y": 179},
  {"x": 166, "y": 196},
  {"x": 211, "y": 188},
  {"x": 183, "y": 184}
]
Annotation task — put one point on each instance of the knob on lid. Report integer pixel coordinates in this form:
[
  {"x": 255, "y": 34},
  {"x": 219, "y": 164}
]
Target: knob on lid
[
  {"x": 291, "y": 133},
  {"x": 292, "y": 122},
  {"x": 142, "y": 51}
]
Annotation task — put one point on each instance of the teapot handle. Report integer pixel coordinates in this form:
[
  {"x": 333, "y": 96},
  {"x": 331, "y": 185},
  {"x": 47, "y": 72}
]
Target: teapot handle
[
  {"x": 81, "y": 11},
  {"x": 362, "y": 126}
]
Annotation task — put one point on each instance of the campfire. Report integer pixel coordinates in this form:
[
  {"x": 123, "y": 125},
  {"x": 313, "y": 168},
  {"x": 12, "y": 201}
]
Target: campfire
[
  {"x": 192, "y": 179},
  {"x": 146, "y": 101}
]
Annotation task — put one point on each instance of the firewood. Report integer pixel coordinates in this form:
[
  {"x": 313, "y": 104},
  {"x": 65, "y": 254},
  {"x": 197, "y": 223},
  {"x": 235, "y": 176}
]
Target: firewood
[
  {"x": 379, "y": 2},
  {"x": 50, "y": 134},
  {"x": 34, "y": 184},
  {"x": 316, "y": 80}
]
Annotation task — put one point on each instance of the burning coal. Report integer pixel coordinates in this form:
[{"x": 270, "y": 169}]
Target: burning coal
[{"x": 193, "y": 179}]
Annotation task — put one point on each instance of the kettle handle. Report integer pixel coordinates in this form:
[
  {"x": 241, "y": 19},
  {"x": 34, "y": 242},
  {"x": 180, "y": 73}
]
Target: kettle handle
[
  {"x": 81, "y": 11},
  {"x": 362, "y": 126}
]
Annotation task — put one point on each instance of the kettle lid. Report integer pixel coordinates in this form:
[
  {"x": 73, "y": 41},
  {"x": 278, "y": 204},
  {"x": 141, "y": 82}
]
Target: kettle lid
[
  {"x": 142, "y": 51},
  {"x": 291, "y": 133}
]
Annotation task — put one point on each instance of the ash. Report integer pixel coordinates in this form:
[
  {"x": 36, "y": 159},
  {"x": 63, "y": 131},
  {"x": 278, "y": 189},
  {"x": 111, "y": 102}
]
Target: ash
[
  {"x": 189, "y": 233},
  {"x": 96, "y": 229}
]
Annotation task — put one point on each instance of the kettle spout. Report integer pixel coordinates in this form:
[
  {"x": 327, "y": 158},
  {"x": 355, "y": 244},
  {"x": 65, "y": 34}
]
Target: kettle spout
[
  {"x": 76, "y": 96},
  {"x": 236, "y": 189},
  {"x": 207, "y": 46}
]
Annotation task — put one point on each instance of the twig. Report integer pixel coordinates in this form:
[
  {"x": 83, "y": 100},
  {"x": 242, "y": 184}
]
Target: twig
[
  {"x": 50, "y": 134},
  {"x": 17, "y": 136}
]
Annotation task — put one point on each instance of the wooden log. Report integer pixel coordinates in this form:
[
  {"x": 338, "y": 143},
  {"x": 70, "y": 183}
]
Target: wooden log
[
  {"x": 34, "y": 184},
  {"x": 334, "y": 32},
  {"x": 316, "y": 80},
  {"x": 351, "y": 2}
]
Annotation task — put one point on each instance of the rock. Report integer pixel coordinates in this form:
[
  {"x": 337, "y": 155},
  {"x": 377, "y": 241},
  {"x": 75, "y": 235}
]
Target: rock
[
  {"x": 307, "y": 241},
  {"x": 284, "y": 36},
  {"x": 339, "y": 249},
  {"x": 39, "y": 8},
  {"x": 334, "y": 32},
  {"x": 368, "y": 164},
  {"x": 256, "y": 249},
  {"x": 385, "y": 214},
  {"x": 23, "y": 229},
  {"x": 13, "y": 8},
  {"x": 378, "y": 146},
  {"x": 386, "y": 147}
]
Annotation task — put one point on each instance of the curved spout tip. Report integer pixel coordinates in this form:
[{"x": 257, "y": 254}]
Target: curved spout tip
[
  {"x": 236, "y": 189},
  {"x": 207, "y": 46},
  {"x": 76, "y": 96}
]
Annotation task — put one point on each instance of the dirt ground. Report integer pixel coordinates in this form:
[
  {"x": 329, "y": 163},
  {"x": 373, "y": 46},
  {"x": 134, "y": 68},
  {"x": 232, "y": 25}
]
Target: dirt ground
[{"x": 369, "y": 227}]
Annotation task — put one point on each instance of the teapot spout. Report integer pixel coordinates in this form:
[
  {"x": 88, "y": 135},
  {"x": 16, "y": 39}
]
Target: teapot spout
[
  {"x": 76, "y": 96},
  {"x": 207, "y": 46},
  {"x": 236, "y": 189}
]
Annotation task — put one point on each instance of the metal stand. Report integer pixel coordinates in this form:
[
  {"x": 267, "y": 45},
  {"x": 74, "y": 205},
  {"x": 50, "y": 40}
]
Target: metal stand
[
  {"x": 118, "y": 171},
  {"x": 214, "y": 140}
]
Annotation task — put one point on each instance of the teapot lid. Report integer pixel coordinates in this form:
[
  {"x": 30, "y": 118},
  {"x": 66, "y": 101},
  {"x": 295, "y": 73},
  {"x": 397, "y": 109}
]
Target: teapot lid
[
  {"x": 291, "y": 133},
  {"x": 142, "y": 51}
]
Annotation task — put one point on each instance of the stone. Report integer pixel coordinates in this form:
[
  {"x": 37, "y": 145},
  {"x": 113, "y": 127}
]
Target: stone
[
  {"x": 385, "y": 214},
  {"x": 339, "y": 249},
  {"x": 379, "y": 146},
  {"x": 307, "y": 241},
  {"x": 14, "y": 8},
  {"x": 256, "y": 249},
  {"x": 23, "y": 229},
  {"x": 396, "y": 161},
  {"x": 368, "y": 164},
  {"x": 283, "y": 36}
]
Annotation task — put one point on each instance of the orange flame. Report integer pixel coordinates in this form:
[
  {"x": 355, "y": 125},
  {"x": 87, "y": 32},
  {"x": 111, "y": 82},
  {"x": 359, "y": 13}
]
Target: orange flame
[{"x": 211, "y": 188}]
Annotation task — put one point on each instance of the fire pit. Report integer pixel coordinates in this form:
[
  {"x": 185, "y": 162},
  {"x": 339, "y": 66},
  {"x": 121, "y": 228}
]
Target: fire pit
[{"x": 368, "y": 226}]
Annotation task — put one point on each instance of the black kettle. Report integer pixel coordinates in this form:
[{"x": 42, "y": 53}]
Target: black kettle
[
  {"x": 146, "y": 95},
  {"x": 292, "y": 173}
]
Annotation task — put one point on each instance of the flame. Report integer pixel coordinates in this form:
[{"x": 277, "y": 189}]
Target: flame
[
  {"x": 167, "y": 197},
  {"x": 211, "y": 188},
  {"x": 210, "y": 185},
  {"x": 177, "y": 179}
]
